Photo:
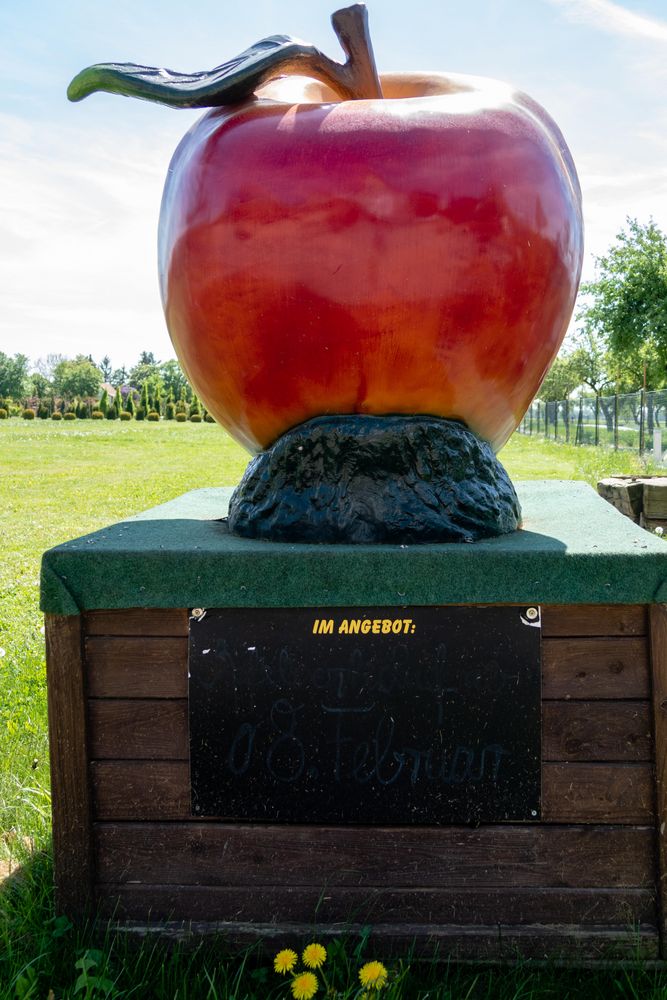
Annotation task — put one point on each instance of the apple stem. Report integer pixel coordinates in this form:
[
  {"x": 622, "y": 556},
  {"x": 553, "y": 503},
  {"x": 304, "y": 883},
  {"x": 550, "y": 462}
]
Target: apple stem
[
  {"x": 359, "y": 74},
  {"x": 355, "y": 79}
]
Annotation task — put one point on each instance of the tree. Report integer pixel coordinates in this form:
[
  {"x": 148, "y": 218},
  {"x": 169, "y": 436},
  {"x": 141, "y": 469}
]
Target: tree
[
  {"x": 626, "y": 306},
  {"x": 40, "y": 385},
  {"x": 561, "y": 380},
  {"x": 80, "y": 377},
  {"x": 46, "y": 366},
  {"x": 173, "y": 377},
  {"x": 106, "y": 368},
  {"x": 13, "y": 375},
  {"x": 146, "y": 369},
  {"x": 118, "y": 376}
]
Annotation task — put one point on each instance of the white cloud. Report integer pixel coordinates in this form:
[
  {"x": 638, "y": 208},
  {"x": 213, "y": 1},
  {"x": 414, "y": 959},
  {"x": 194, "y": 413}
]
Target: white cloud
[
  {"x": 613, "y": 17},
  {"x": 78, "y": 255}
]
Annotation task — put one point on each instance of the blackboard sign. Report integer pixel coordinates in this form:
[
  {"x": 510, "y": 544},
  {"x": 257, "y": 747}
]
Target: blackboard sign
[{"x": 365, "y": 715}]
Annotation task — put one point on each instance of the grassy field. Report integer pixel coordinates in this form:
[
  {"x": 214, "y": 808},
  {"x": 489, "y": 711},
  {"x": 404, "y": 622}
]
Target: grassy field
[{"x": 58, "y": 481}]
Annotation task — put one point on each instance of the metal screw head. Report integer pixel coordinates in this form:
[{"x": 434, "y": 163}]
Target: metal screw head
[
  {"x": 532, "y": 614},
  {"x": 197, "y": 612}
]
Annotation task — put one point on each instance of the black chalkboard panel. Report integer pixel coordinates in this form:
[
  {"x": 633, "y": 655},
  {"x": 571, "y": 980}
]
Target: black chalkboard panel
[{"x": 366, "y": 715}]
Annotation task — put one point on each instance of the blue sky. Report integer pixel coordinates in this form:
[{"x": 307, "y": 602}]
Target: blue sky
[{"x": 80, "y": 184}]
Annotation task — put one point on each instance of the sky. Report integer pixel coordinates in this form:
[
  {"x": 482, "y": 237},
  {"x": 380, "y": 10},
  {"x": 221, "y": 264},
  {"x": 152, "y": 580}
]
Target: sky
[{"x": 80, "y": 184}]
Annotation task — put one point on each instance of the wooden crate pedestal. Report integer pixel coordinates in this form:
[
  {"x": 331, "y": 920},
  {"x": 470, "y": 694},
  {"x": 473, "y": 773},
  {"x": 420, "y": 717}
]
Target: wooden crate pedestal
[{"x": 584, "y": 881}]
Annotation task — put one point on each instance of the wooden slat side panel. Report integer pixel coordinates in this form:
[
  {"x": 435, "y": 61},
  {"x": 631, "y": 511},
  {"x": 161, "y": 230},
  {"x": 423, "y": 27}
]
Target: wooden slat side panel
[
  {"x": 137, "y": 621},
  {"x": 138, "y": 728},
  {"x": 594, "y": 620},
  {"x": 658, "y": 622},
  {"x": 488, "y": 857},
  {"x": 583, "y": 668},
  {"x": 597, "y": 793},
  {"x": 596, "y": 731},
  {"x": 581, "y": 793},
  {"x": 137, "y": 667},
  {"x": 623, "y": 907},
  {"x": 72, "y": 822}
]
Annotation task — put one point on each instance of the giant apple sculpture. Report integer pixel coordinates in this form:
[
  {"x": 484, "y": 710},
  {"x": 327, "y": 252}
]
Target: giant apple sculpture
[{"x": 411, "y": 247}]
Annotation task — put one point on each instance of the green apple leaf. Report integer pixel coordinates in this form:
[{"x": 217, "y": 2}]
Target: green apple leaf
[{"x": 230, "y": 82}]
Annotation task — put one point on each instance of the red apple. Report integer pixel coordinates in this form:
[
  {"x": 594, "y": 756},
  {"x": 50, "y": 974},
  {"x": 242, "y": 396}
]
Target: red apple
[{"x": 418, "y": 254}]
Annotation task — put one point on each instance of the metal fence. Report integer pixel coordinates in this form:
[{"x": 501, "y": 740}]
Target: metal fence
[{"x": 634, "y": 421}]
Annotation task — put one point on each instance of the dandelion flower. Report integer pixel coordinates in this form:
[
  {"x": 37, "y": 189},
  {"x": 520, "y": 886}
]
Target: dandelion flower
[
  {"x": 304, "y": 986},
  {"x": 285, "y": 961},
  {"x": 373, "y": 975},
  {"x": 314, "y": 955}
]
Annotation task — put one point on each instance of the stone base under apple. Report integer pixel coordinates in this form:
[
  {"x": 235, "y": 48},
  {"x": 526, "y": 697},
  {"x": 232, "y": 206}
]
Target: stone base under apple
[{"x": 356, "y": 479}]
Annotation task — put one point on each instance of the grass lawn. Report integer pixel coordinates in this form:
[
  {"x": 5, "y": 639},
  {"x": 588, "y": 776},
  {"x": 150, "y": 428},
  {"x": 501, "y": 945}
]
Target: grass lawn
[{"x": 58, "y": 481}]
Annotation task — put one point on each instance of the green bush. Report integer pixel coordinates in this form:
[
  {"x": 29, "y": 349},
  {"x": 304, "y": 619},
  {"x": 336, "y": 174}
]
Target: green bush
[
  {"x": 181, "y": 418},
  {"x": 139, "y": 413},
  {"x": 97, "y": 415},
  {"x": 170, "y": 411},
  {"x": 28, "y": 414},
  {"x": 153, "y": 415},
  {"x": 112, "y": 413},
  {"x": 195, "y": 418},
  {"x": 56, "y": 415},
  {"x": 69, "y": 416},
  {"x": 209, "y": 419},
  {"x": 43, "y": 411},
  {"x": 124, "y": 415},
  {"x": 3, "y": 413}
]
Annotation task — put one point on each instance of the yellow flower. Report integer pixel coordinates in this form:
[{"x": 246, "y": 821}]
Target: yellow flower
[
  {"x": 285, "y": 961},
  {"x": 314, "y": 955},
  {"x": 373, "y": 975},
  {"x": 304, "y": 986}
]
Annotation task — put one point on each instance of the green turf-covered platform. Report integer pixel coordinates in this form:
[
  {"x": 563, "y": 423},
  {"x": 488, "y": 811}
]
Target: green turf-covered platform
[{"x": 574, "y": 548}]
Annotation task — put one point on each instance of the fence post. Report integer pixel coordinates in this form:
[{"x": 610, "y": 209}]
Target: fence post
[
  {"x": 530, "y": 418},
  {"x": 567, "y": 420},
  {"x": 578, "y": 438},
  {"x": 641, "y": 422},
  {"x": 556, "y": 420},
  {"x": 615, "y": 421},
  {"x": 597, "y": 420}
]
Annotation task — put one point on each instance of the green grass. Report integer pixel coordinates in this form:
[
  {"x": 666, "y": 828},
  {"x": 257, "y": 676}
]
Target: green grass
[{"x": 58, "y": 481}]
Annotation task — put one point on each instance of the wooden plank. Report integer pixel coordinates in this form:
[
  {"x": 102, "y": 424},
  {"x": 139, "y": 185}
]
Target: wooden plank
[
  {"x": 137, "y": 667},
  {"x": 72, "y": 835},
  {"x": 595, "y": 668},
  {"x": 658, "y": 624},
  {"x": 596, "y": 731},
  {"x": 138, "y": 728},
  {"x": 137, "y": 621},
  {"x": 488, "y": 857},
  {"x": 594, "y": 620},
  {"x": 581, "y": 793},
  {"x": 623, "y": 907},
  {"x": 597, "y": 793},
  {"x": 588, "y": 947},
  {"x": 123, "y": 729}
]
